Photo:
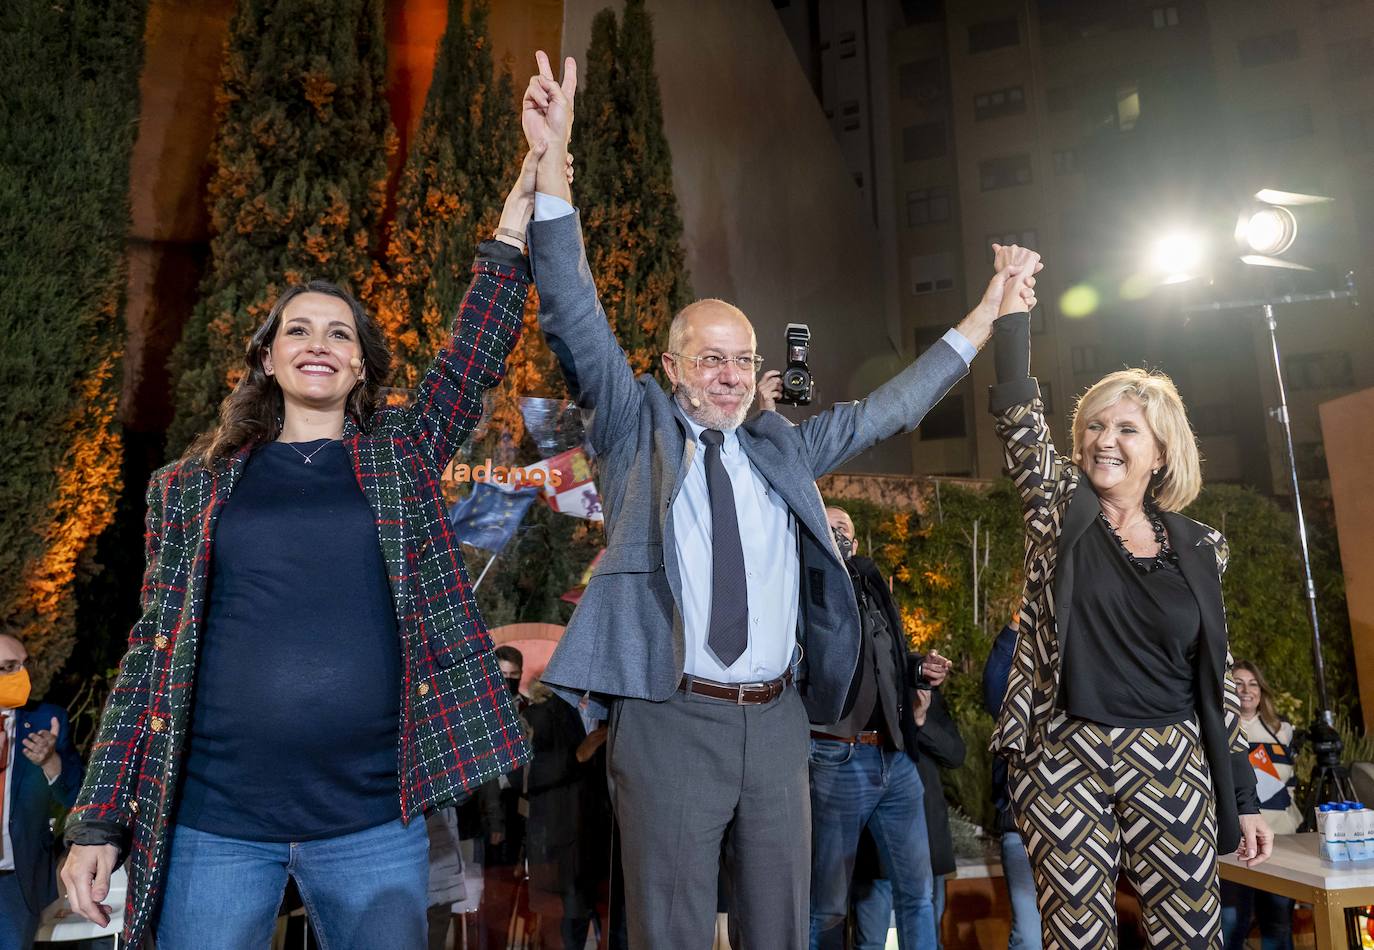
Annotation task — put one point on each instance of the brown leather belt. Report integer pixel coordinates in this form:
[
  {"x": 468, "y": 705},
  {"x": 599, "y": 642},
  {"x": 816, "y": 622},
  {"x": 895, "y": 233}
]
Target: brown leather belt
[
  {"x": 863, "y": 738},
  {"x": 741, "y": 694}
]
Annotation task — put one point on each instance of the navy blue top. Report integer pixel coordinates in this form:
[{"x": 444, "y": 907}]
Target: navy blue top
[{"x": 297, "y": 708}]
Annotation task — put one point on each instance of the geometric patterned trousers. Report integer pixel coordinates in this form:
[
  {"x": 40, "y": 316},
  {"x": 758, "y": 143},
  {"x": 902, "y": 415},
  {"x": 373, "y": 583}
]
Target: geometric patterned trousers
[{"x": 1094, "y": 799}]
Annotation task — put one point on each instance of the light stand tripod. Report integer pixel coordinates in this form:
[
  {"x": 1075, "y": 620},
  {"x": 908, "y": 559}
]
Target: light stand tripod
[{"x": 1330, "y": 779}]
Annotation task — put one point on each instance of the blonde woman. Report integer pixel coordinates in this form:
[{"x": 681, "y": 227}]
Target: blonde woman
[
  {"x": 1271, "y": 756},
  {"x": 1120, "y": 724}
]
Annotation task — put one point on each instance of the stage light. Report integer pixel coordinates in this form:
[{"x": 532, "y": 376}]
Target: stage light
[
  {"x": 1269, "y": 231},
  {"x": 1178, "y": 256}
]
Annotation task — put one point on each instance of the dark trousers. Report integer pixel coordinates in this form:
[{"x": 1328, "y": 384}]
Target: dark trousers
[
  {"x": 692, "y": 776},
  {"x": 17, "y": 922},
  {"x": 1240, "y": 905}
]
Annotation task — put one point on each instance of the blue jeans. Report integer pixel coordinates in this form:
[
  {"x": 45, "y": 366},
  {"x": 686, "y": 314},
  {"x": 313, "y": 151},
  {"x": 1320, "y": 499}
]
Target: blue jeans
[
  {"x": 853, "y": 787},
  {"x": 873, "y": 912},
  {"x": 1025, "y": 915},
  {"x": 1240, "y": 905},
  {"x": 364, "y": 890}
]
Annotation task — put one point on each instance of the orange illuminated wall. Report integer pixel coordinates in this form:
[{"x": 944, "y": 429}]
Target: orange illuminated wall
[{"x": 1348, "y": 433}]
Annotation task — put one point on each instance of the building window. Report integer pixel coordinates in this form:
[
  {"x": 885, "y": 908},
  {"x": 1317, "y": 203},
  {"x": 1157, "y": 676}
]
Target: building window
[
  {"x": 1310, "y": 459},
  {"x": 1037, "y": 319},
  {"x": 927, "y": 206},
  {"x": 923, "y": 141},
  {"x": 1214, "y": 419},
  {"x": 1065, "y": 162},
  {"x": 994, "y": 34},
  {"x": 848, "y": 45},
  {"x": 932, "y": 273},
  {"x": 1268, "y": 49},
  {"x": 1357, "y": 131},
  {"x": 1329, "y": 370},
  {"x": 1027, "y": 238},
  {"x": 1278, "y": 125},
  {"x": 859, "y": 179},
  {"x": 1127, "y": 107},
  {"x": 849, "y": 116},
  {"x": 1047, "y": 397},
  {"x": 999, "y": 102},
  {"x": 945, "y": 421},
  {"x": 922, "y": 80},
  {"x": 1165, "y": 18},
  {"x": 1006, "y": 172},
  {"x": 1351, "y": 59},
  {"x": 1086, "y": 359}
]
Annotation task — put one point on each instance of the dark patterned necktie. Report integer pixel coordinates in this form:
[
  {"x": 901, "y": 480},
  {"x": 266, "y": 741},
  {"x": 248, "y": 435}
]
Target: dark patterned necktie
[{"x": 729, "y": 631}]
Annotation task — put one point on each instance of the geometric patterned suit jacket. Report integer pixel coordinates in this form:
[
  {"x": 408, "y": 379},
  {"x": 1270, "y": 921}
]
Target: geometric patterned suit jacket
[
  {"x": 1058, "y": 505},
  {"x": 458, "y": 727}
]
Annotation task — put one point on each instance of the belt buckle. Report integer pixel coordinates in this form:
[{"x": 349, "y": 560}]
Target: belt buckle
[{"x": 739, "y": 692}]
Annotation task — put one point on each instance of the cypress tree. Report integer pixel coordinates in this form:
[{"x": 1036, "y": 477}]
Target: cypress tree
[
  {"x": 299, "y": 181},
  {"x": 450, "y": 194},
  {"x": 625, "y": 184},
  {"x": 68, "y": 102}
]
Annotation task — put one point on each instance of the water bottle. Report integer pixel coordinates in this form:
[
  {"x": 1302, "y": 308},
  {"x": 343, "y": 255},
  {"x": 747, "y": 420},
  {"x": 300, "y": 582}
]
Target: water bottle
[{"x": 1331, "y": 821}]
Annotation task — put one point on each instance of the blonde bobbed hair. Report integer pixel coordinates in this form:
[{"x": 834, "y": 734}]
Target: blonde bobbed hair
[{"x": 1180, "y": 478}]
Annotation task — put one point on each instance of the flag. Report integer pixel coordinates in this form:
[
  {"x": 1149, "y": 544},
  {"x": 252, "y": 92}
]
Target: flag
[
  {"x": 568, "y": 485},
  {"x": 489, "y": 516}
]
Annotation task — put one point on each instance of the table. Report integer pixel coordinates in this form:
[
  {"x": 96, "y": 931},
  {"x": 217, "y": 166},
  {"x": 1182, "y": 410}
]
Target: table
[{"x": 1296, "y": 870}]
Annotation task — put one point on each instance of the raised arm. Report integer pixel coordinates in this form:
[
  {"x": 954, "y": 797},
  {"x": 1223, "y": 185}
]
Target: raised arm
[
  {"x": 598, "y": 375},
  {"x": 846, "y": 429},
  {"x": 448, "y": 401},
  {"x": 1040, "y": 473}
]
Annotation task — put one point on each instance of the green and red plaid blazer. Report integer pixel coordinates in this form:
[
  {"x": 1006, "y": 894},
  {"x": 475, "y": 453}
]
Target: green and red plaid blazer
[{"x": 458, "y": 726}]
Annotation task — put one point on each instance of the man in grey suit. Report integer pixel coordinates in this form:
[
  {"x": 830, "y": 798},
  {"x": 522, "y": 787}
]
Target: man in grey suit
[{"x": 721, "y": 618}]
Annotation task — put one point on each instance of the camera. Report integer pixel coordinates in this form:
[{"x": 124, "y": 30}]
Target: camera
[{"x": 797, "y": 385}]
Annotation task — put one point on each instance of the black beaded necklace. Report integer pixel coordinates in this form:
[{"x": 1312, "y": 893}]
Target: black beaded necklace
[{"x": 1145, "y": 565}]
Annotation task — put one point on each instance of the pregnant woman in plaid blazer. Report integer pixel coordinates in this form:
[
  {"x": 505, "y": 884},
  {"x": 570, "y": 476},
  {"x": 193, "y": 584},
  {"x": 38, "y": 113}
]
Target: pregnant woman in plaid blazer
[
  {"x": 1120, "y": 724},
  {"x": 310, "y": 673}
]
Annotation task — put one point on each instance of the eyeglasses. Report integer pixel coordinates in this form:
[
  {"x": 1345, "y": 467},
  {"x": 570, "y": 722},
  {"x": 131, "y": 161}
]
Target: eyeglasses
[
  {"x": 712, "y": 363},
  {"x": 12, "y": 666}
]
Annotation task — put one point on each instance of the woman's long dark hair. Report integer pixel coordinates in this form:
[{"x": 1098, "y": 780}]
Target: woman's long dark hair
[{"x": 252, "y": 413}]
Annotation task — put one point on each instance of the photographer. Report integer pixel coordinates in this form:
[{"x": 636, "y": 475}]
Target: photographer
[{"x": 863, "y": 768}]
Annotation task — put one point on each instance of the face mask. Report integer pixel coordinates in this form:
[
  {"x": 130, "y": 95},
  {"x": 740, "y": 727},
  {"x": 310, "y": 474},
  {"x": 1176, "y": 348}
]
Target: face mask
[
  {"x": 513, "y": 684},
  {"x": 14, "y": 689},
  {"x": 845, "y": 545}
]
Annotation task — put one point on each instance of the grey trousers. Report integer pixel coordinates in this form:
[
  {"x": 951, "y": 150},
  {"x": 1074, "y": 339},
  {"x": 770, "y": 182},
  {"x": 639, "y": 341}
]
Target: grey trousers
[{"x": 694, "y": 779}]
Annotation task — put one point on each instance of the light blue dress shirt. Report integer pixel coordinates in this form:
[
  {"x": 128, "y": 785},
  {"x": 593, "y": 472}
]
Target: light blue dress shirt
[{"x": 768, "y": 536}]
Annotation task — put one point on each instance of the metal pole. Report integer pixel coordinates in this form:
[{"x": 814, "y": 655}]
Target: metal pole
[
  {"x": 1280, "y": 413},
  {"x": 492, "y": 561}
]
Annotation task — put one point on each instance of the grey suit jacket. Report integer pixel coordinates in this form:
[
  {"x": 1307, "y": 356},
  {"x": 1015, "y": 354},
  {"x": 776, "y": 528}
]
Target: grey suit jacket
[{"x": 625, "y": 639}]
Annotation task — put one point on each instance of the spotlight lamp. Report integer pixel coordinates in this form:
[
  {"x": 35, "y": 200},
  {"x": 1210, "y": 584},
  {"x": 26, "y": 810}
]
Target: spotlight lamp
[{"x": 1267, "y": 230}]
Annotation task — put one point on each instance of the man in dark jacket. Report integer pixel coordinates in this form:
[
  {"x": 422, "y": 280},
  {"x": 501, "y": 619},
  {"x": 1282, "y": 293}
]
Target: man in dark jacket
[
  {"x": 40, "y": 771},
  {"x": 863, "y": 768}
]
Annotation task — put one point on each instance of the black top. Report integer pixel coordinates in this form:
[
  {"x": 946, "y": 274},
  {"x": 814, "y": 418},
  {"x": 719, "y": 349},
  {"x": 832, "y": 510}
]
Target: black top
[
  {"x": 1132, "y": 655},
  {"x": 297, "y": 709}
]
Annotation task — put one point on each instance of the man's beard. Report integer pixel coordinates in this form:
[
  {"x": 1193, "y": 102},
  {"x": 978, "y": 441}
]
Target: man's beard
[{"x": 707, "y": 413}]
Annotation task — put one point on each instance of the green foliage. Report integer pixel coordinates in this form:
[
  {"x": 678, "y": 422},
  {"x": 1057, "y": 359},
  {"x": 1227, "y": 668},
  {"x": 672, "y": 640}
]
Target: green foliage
[
  {"x": 300, "y": 176},
  {"x": 1266, "y": 611},
  {"x": 624, "y": 185},
  {"x": 69, "y": 74},
  {"x": 930, "y": 560}
]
